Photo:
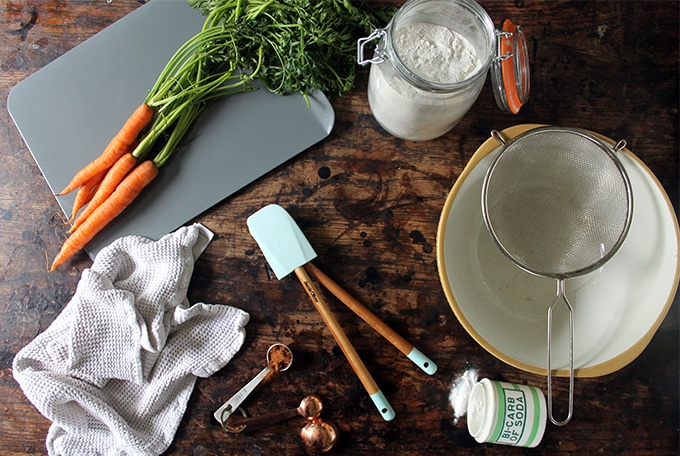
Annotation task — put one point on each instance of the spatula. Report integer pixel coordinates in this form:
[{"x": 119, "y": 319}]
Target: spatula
[{"x": 287, "y": 250}]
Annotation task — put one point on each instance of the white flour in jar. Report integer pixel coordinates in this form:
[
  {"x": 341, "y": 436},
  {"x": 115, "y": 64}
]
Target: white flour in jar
[{"x": 434, "y": 53}]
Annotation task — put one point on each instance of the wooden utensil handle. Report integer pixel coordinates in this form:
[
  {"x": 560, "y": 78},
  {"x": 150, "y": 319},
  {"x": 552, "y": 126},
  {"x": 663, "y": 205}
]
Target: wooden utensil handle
[
  {"x": 373, "y": 320},
  {"x": 364, "y": 313},
  {"x": 345, "y": 345}
]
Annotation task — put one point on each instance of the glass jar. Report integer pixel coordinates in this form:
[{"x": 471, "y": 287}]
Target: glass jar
[{"x": 431, "y": 62}]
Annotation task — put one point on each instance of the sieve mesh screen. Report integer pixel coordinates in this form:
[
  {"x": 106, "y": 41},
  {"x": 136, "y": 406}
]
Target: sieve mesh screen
[{"x": 557, "y": 202}]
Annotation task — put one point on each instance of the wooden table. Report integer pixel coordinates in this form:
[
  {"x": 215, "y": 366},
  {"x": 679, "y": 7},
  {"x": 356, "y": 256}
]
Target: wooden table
[{"x": 370, "y": 204}]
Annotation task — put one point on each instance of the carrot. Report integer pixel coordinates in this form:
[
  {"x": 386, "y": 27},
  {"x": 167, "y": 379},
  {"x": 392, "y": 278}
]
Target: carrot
[
  {"x": 118, "y": 145},
  {"x": 113, "y": 177},
  {"x": 122, "y": 197},
  {"x": 85, "y": 193}
]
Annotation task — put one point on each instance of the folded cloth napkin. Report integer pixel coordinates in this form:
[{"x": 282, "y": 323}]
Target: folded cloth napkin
[{"x": 115, "y": 369}]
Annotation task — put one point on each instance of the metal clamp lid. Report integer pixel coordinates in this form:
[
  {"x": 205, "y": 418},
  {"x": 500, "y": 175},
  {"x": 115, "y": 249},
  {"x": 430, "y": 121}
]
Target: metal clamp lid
[
  {"x": 379, "y": 56},
  {"x": 510, "y": 69}
]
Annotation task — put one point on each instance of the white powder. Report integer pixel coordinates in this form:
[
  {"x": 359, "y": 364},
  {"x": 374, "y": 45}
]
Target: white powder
[
  {"x": 434, "y": 53},
  {"x": 460, "y": 394}
]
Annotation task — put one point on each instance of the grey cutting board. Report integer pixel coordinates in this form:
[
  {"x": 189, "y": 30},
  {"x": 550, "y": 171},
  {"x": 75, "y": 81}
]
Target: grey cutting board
[{"x": 69, "y": 110}]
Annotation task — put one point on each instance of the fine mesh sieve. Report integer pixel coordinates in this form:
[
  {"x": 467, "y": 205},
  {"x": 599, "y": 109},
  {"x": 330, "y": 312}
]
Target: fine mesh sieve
[{"x": 558, "y": 203}]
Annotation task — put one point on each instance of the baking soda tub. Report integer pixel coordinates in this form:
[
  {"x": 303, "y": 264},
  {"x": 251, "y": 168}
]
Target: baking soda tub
[
  {"x": 499, "y": 412},
  {"x": 430, "y": 64},
  {"x": 506, "y": 413}
]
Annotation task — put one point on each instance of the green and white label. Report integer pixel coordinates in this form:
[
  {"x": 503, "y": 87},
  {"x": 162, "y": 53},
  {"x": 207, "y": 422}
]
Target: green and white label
[{"x": 518, "y": 418}]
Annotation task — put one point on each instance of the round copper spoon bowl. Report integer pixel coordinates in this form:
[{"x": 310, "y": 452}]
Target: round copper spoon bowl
[{"x": 319, "y": 435}]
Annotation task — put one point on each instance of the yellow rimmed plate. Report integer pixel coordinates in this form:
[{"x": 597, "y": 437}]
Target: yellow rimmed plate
[{"x": 617, "y": 308}]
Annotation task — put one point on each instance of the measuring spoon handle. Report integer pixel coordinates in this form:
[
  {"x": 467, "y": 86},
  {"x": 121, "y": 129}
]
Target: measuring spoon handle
[
  {"x": 222, "y": 413},
  {"x": 242, "y": 424}
]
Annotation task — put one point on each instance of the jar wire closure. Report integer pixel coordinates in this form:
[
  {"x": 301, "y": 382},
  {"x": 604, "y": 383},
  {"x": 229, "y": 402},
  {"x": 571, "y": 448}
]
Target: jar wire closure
[{"x": 510, "y": 72}]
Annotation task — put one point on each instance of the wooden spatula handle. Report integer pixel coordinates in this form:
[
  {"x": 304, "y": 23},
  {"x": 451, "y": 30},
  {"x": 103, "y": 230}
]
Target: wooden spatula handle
[
  {"x": 345, "y": 345},
  {"x": 404, "y": 346}
]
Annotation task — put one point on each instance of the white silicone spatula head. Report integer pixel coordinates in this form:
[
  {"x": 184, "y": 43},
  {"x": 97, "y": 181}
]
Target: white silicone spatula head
[{"x": 282, "y": 242}]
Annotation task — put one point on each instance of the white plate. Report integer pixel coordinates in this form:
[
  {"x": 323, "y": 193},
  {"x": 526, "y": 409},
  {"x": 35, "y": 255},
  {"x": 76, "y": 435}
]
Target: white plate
[{"x": 617, "y": 308}]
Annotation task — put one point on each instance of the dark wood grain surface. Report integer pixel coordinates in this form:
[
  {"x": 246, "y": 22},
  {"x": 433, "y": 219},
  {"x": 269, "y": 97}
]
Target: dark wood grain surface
[{"x": 370, "y": 205}]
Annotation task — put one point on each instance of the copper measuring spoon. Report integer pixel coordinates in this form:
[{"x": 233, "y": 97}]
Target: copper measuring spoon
[
  {"x": 310, "y": 408},
  {"x": 222, "y": 414},
  {"x": 319, "y": 435}
]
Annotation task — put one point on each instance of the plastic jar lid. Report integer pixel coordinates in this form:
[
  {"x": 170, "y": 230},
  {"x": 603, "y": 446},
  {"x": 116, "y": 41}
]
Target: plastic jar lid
[{"x": 510, "y": 69}]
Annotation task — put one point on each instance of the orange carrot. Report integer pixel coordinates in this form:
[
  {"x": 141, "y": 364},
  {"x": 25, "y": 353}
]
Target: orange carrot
[
  {"x": 119, "y": 145},
  {"x": 122, "y": 197},
  {"x": 85, "y": 193},
  {"x": 114, "y": 176}
]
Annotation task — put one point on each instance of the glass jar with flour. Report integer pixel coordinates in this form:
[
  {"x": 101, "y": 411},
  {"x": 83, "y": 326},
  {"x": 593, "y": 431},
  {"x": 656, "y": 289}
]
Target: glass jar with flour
[{"x": 430, "y": 64}]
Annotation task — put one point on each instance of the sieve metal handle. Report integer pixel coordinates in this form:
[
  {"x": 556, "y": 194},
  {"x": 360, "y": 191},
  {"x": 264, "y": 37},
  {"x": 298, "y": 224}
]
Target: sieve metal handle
[
  {"x": 498, "y": 136},
  {"x": 561, "y": 294}
]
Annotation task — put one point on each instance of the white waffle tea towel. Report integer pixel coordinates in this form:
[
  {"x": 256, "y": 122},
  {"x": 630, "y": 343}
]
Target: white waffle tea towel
[{"x": 115, "y": 369}]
